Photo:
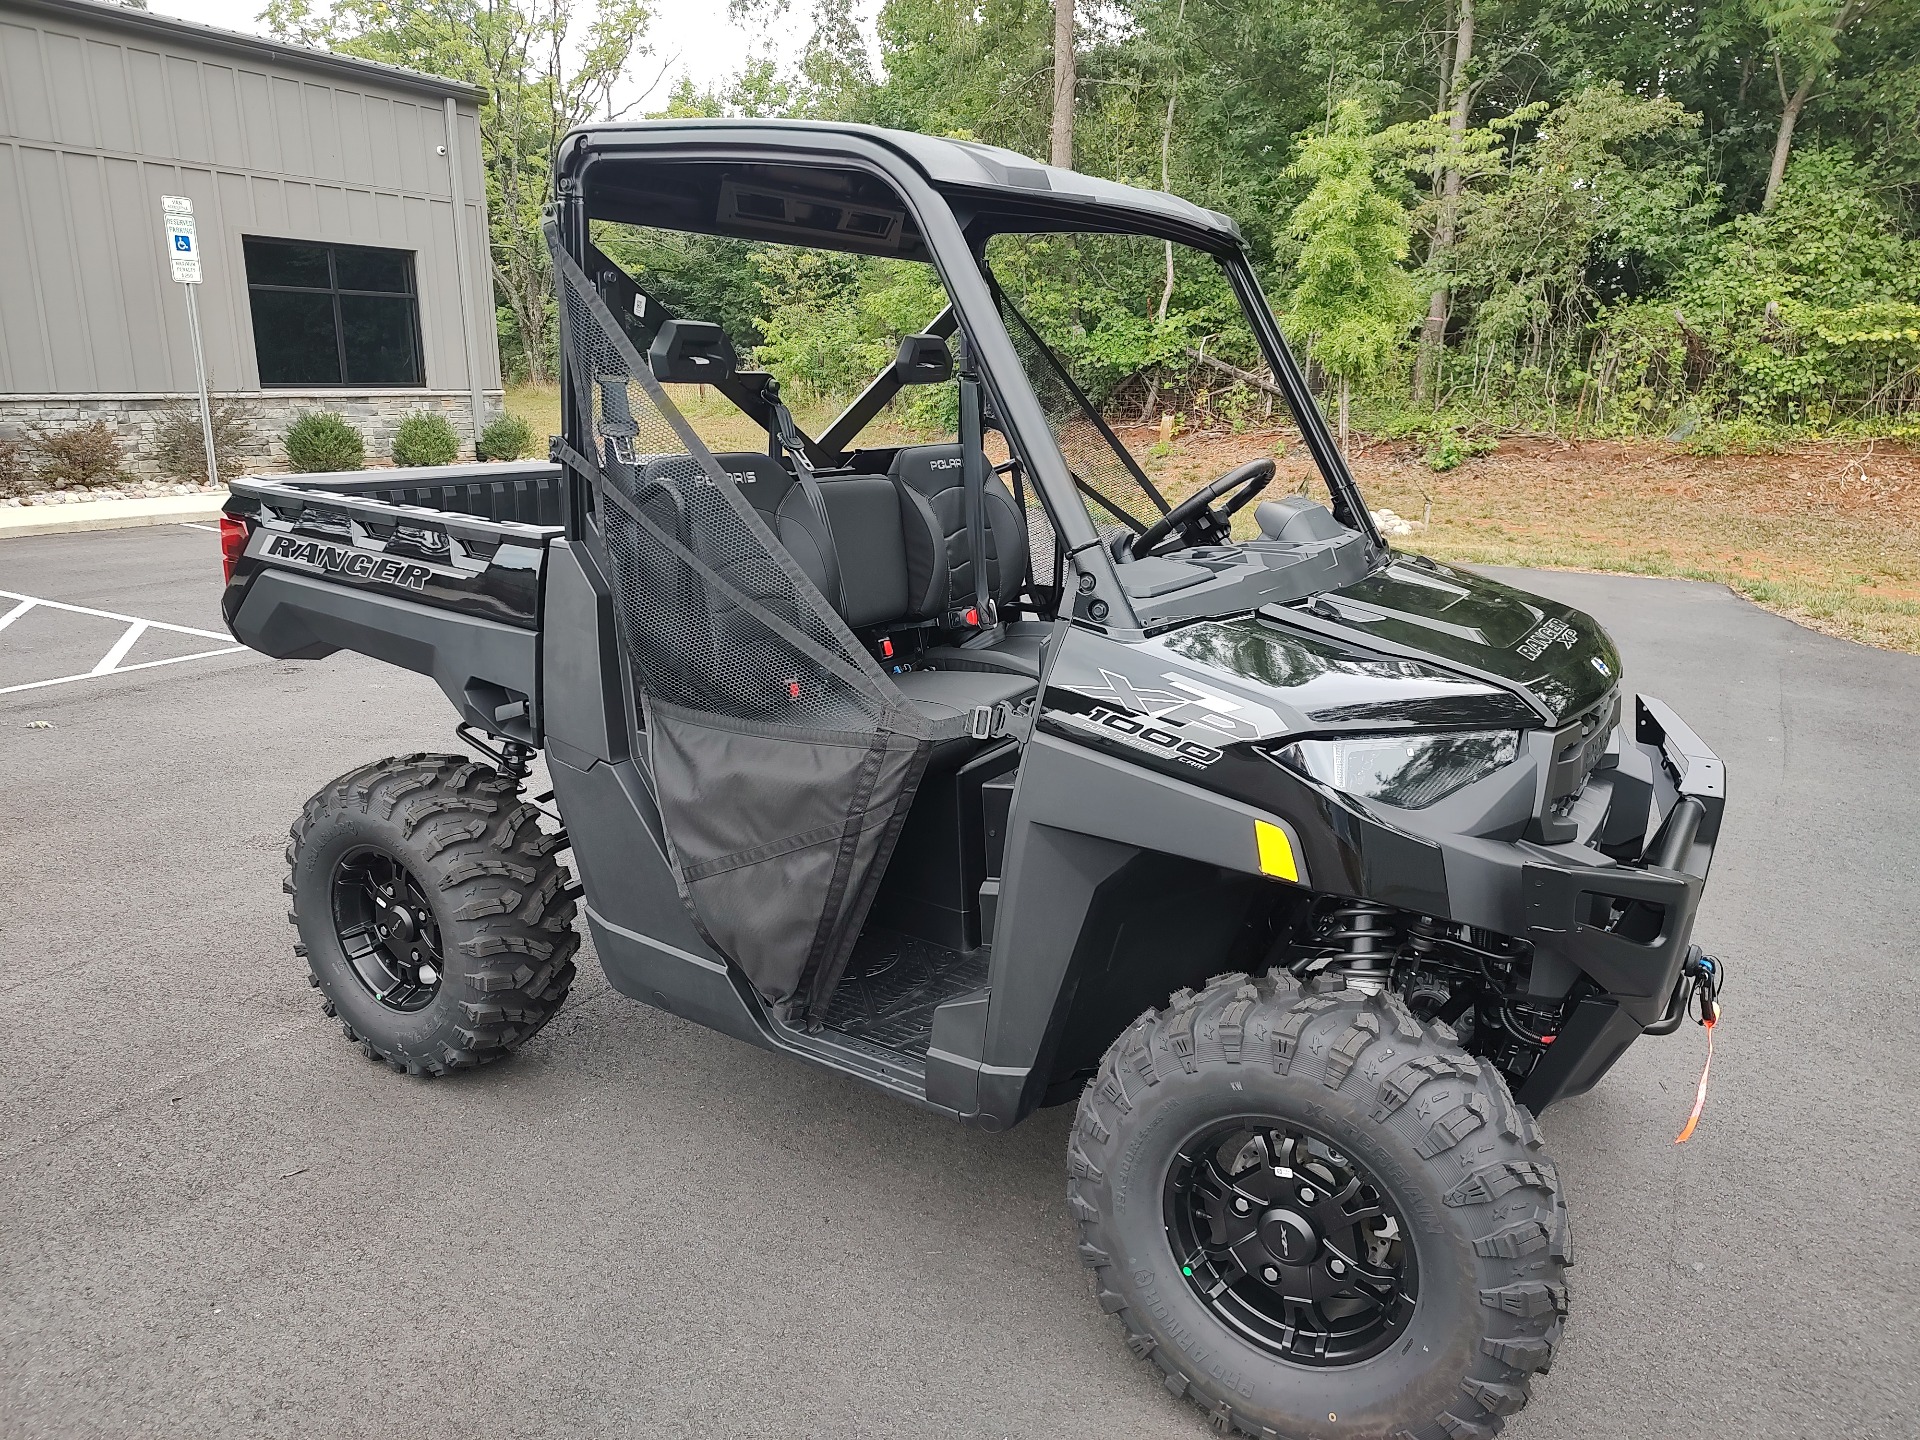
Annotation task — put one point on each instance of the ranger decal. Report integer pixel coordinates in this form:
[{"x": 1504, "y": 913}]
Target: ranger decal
[
  {"x": 1549, "y": 633},
  {"x": 345, "y": 561}
]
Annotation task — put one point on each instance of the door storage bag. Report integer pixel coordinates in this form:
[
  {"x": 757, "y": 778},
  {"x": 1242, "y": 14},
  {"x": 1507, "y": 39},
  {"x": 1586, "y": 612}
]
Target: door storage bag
[{"x": 782, "y": 758}]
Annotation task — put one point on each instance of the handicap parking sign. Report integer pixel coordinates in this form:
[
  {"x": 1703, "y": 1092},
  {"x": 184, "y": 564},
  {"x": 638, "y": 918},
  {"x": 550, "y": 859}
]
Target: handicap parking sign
[{"x": 176, "y": 213}]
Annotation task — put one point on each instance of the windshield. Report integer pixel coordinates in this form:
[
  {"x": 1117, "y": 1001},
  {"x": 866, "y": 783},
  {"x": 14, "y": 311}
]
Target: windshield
[{"x": 1149, "y": 372}]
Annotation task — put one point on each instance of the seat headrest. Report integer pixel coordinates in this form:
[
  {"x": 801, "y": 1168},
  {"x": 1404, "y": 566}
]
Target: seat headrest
[{"x": 691, "y": 352}]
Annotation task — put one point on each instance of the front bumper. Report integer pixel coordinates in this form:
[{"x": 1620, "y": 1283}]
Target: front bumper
[{"x": 1623, "y": 920}]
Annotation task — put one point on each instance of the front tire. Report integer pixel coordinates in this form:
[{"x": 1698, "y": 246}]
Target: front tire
[
  {"x": 1319, "y": 1216},
  {"x": 433, "y": 916}
]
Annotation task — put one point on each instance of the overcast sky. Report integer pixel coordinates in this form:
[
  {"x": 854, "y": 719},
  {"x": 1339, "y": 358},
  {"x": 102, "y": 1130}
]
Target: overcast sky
[{"x": 708, "y": 48}]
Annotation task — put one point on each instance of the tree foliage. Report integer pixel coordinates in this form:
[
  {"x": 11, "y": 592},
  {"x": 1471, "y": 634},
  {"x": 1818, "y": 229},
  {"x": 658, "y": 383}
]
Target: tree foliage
[{"x": 1613, "y": 213}]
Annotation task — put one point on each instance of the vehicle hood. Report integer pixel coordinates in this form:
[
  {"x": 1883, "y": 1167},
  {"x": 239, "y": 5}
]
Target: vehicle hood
[{"x": 1559, "y": 656}]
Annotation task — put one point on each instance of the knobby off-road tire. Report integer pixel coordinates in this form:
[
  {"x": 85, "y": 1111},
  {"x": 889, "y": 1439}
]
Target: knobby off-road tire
[
  {"x": 1445, "y": 1143},
  {"x": 488, "y": 904}
]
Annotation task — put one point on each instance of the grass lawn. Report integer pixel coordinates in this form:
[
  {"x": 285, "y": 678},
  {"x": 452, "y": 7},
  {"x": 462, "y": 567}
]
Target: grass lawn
[{"x": 1827, "y": 533}]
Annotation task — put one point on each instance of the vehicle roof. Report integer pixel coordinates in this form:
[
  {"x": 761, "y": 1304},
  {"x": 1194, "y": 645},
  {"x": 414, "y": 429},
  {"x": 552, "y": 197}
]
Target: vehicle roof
[{"x": 1005, "y": 179}]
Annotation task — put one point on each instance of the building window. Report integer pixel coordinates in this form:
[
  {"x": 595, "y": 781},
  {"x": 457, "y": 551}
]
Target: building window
[{"x": 333, "y": 314}]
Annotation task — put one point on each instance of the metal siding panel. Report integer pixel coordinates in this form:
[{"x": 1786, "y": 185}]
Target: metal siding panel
[
  {"x": 98, "y": 276},
  {"x": 433, "y": 150},
  {"x": 56, "y": 271},
  {"x": 356, "y": 157},
  {"x": 363, "y": 217},
  {"x": 303, "y": 211},
  {"x": 225, "y": 288},
  {"x": 269, "y": 208},
  {"x": 406, "y": 140},
  {"x": 323, "y": 132},
  {"x": 256, "y": 123},
  {"x": 443, "y": 258},
  {"x": 23, "y": 330},
  {"x": 474, "y": 177},
  {"x": 222, "y": 88},
  {"x": 429, "y": 279},
  {"x": 152, "y": 116},
  {"x": 484, "y": 320},
  {"x": 113, "y": 114},
  {"x": 290, "y": 124},
  {"x": 380, "y": 134},
  {"x": 392, "y": 211},
  {"x": 236, "y": 198},
  {"x": 330, "y": 208},
  {"x": 67, "y": 75},
  {"x": 134, "y": 240},
  {"x": 187, "y": 99},
  {"x": 24, "y": 94}
]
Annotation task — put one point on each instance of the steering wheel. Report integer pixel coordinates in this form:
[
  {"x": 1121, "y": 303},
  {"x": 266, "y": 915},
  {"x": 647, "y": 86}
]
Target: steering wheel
[{"x": 1196, "y": 519}]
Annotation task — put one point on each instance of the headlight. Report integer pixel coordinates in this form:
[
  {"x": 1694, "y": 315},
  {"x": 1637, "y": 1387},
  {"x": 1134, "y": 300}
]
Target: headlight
[{"x": 1410, "y": 771}]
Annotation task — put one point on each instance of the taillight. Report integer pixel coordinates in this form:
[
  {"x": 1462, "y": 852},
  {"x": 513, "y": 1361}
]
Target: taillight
[{"x": 233, "y": 542}]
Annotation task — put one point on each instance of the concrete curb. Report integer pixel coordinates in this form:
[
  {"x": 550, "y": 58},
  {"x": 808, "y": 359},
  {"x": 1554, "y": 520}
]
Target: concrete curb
[{"x": 16, "y": 521}]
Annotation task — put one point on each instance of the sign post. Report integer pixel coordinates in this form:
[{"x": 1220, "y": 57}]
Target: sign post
[{"x": 183, "y": 254}]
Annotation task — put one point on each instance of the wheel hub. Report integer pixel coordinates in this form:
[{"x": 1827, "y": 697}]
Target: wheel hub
[
  {"x": 1290, "y": 1243},
  {"x": 1289, "y": 1237},
  {"x": 387, "y": 929}
]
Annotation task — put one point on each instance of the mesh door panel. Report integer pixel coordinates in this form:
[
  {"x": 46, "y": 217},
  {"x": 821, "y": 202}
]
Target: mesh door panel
[{"x": 783, "y": 759}]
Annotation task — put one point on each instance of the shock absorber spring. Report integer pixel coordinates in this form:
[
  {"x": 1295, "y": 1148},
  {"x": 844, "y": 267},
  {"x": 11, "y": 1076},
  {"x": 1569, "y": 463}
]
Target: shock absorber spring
[{"x": 1364, "y": 939}]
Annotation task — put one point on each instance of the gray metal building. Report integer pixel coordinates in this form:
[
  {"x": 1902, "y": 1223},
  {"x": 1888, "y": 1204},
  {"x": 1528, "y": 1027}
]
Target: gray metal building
[{"x": 341, "y": 213}]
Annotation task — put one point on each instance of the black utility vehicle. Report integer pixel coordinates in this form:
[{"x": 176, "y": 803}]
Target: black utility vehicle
[{"x": 977, "y": 771}]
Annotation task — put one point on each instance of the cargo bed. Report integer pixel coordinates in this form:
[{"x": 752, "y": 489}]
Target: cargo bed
[{"x": 435, "y": 569}]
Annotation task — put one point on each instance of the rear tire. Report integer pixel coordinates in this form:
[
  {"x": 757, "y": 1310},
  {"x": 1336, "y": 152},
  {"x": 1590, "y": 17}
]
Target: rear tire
[
  {"x": 1482, "y": 1249},
  {"x": 432, "y": 914}
]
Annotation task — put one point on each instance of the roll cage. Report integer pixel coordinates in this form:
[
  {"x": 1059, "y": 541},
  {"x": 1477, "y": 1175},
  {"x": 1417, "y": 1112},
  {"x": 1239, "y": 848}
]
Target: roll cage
[{"x": 916, "y": 197}]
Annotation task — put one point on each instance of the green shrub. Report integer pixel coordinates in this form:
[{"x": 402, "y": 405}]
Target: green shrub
[
  {"x": 320, "y": 441},
  {"x": 1451, "y": 449},
  {"x": 506, "y": 437},
  {"x": 78, "y": 459},
  {"x": 425, "y": 437},
  {"x": 180, "y": 450},
  {"x": 16, "y": 476}
]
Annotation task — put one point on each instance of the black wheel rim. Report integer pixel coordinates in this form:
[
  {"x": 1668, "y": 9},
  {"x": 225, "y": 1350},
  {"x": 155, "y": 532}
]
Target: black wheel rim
[
  {"x": 1290, "y": 1242},
  {"x": 387, "y": 929}
]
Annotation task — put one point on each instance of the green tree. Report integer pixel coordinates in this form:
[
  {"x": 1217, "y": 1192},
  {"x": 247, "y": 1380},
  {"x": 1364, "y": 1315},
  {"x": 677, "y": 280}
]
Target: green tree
[
  {"x": 1803, "y": 41},
  {"x": 1354, "y": 300}
]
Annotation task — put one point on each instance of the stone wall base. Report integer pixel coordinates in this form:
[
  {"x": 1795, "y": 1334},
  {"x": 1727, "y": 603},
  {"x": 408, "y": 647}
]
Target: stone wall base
[{"x": 376, "y": 414}]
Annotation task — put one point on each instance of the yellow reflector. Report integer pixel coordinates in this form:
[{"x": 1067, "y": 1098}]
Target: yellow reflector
[{"x": 1276, "y": 854}]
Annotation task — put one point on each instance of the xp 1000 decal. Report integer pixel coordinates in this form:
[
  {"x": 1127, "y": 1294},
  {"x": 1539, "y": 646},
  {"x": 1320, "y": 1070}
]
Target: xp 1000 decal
[{"x": 1174, "y": 716}]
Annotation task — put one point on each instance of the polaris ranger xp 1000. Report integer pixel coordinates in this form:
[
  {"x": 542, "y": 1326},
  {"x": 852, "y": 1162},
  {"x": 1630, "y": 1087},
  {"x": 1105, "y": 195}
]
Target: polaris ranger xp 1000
[{"x": 986, "y": 771}]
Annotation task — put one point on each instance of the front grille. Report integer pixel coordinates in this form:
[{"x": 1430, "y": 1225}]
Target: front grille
[{"x": 1577, "y": 748}]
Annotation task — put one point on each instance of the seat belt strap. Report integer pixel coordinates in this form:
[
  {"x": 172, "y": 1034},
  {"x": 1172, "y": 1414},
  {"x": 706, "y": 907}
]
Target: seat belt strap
[
  {"x": 788, "y": 435},
  {"x": 973, "y": 474}
]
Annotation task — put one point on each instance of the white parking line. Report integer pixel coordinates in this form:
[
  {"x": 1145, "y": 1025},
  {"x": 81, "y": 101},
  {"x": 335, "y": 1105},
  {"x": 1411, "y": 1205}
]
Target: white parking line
[
  {"x": 109, "y": 664},
  {"x": 190, "y": 525}
]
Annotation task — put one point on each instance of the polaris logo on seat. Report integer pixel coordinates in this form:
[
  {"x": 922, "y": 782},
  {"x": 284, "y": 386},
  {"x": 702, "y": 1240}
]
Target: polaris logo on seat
[
  {"x": 347, "y": 562},
  {"x": 953, "y": 464}
]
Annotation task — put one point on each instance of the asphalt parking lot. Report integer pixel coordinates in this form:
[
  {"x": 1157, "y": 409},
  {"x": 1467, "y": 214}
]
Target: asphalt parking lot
[{"x": 218, "y": 1218}]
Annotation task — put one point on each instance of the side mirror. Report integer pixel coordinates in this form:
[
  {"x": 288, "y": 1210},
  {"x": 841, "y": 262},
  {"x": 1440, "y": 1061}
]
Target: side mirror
[
  {"x": 923, "y": 360},
  {"x": 691, "y": 352}
]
